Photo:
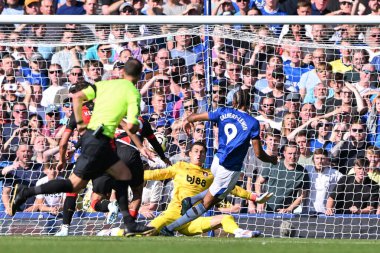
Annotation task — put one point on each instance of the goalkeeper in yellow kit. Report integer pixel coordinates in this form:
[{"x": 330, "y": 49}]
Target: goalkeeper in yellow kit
[{"x": 190, "y": 179}]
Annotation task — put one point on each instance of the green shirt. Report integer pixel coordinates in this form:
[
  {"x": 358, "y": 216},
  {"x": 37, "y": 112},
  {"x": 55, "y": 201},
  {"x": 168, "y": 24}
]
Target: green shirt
[
  {"x": 284, "y": 184},
  {"x": 115, "y": 99}
]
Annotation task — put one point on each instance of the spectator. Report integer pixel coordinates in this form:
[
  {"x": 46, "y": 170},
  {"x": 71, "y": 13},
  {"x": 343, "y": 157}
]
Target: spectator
[
  {"x": 266, "y": 112},
  {"x": 75, "y": 76},
  {"x": 183, "y": 155},
  {"x": 363, "y": 195},
  {"x": 51, "y": 203},
  {"x": 347, "y": 151},
  {"x": 374, "y": 7},
  {"x": 90, "y": 6},
  {"x": 69, "y": 56},
  {"x": 36, "y": 72},
  {"x": 183, "y": 42},
  {"x": 272, "y": 8},
  {"x": 249, "y": 79},
  {"x": 32, "y": 7},
  {"x": 289, "y": 123},
  {"x": 294, "y": 68},
  {"x": 372, "y": 122},
  {"x": 343, "y": 64},
  {"x": 337, "y": 84},
  {"x": 159, "y": 109},
  {"x": 49, "y": 96},
  {"x": 199, "y": 92},
  {"x": 23, "y": 171},
  {"x": 173, "y": 7},
  {"x": 338, "y": 133},
  {"x": 303, "y": 142},
  {"x": 219, "y": 70},
  {"x": 13, "y": 7},
  {"x": 324, "y": 72},
  {"x": 173, "y": 147},
  {"x": 286, "y": 197},
  {"x": 233, "y": 75},
  {"x": 320, "y": 7},
  {"x": 292, "y": 105},
  {"x": 218, "y": 96},
  {"x": 320, "y": 94},
  {"x": 323, "y": 180},
  {"x": 35, "y": 101},
  {"x": 47, "y": 7},
  {"x": 19, "y": 114},
  {"x": 373, "y": 156},
  {"x": 279, "y": 91},
  {"x": 199, "y": 134},
  {"x": 71, "y": 7},
  {"x": 52, "y": 118},
  {"x": 368, "y": 80},
  {"x": 254, "y": 166},
  {"x": 189, "y": 106},
  {"x": 93, "y": 71},
  {"x": 359, "y": 58}
]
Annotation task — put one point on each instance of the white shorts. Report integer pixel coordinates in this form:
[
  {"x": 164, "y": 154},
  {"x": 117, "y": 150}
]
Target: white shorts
[{"x": 224, "y": 180}]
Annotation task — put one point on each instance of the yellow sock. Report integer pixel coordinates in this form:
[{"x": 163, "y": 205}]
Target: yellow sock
[{"x": 229, "y": 225}]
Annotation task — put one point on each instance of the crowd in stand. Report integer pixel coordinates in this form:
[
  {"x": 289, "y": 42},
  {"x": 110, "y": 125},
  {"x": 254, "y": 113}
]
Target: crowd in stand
[{"x": 318, "y": 107}]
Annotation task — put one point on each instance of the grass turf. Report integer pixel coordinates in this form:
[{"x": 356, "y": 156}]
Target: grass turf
[{"x": 10, "y": 244}]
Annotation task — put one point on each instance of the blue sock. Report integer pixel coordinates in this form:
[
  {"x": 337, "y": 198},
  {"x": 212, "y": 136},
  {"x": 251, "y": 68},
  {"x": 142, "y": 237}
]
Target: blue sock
[
  {"x": 199, "y": 196},
  {"x": 190, "y": 215}
]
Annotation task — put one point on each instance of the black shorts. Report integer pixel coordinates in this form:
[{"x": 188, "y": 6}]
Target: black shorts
[
  {"x": 96, "y": 156},
  {"x": 131, "y": 157},
  {"x": 103, "y": 184}
]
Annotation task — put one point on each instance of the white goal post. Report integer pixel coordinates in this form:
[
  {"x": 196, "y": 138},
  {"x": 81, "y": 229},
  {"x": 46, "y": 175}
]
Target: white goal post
[{"x": 224, "y": 53}]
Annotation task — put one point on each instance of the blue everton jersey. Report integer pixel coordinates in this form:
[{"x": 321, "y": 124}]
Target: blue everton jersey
[{"x": 236, "y": 129}]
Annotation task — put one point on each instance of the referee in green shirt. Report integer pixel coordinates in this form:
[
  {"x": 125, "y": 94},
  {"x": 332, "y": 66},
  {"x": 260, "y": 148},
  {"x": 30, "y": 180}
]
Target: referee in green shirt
[{"x": 115, "y": 99}]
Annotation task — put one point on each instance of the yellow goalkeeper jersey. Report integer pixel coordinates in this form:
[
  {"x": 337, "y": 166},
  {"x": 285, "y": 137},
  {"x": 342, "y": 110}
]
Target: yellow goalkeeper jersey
[{"x": 188, "y": 180}]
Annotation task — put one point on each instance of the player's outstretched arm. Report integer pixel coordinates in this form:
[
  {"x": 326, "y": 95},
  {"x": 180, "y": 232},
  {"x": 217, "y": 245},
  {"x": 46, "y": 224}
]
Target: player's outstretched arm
[{"x": 260, "y": 153}]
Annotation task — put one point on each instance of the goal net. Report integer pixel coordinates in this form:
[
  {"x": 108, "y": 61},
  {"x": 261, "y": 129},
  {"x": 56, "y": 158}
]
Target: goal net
[{"x": 314, "y": 90}]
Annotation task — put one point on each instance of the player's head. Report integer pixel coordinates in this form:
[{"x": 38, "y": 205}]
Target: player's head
[
  {"x": 78, "y": 87},
  {"x": 241, "y": 100},
  {"x": 197, "y": 153},
  {"x": 133, "y": 69}
]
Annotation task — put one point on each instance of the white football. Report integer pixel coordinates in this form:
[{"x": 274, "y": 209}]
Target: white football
[{"x": 161, "y": 139}]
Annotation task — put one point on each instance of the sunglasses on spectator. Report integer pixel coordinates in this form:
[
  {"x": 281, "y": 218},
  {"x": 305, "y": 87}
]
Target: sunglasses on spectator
[
  {"x": 375, "y": 35},
  {"x": 182, "y": 143},
  {"x": 321, "y": 124},
  {"x": 218, "y": 64},
  {"x": 55, "y": 71},
  {"x": 199, "y": 130},
  {"x": 345, "y": 3},
  {"x": 216, "y": 91},
  {"x": 238, "y": 1},
  {"x": 366, "y": 71},
  {"x": 189, "y": 107},
  {"x": 76, "y": 74},
  {"x": 105, "y": 50},
  {"x": 67, "y": 105},
  {"x": 161, "y": 81},
  {"x": 268, "y": 105},
  {"x": 128, "y": 10},
  {"x": 235, "y": 69},
  {"x": 357, "y": 130},
  {"x": 53, "y": 114}
]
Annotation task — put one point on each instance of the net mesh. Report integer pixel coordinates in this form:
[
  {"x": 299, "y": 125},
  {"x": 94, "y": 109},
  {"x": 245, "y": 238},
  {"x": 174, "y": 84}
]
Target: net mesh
[{"x": 314, "y": 85}]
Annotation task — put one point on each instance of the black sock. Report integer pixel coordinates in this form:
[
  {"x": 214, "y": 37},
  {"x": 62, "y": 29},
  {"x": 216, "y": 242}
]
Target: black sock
[
  {"x": 69, "y": 209},
  {"x": 121, "y": 188},
  {"x": 53, "y": 186},
  {"x": 102, "y": 206}
]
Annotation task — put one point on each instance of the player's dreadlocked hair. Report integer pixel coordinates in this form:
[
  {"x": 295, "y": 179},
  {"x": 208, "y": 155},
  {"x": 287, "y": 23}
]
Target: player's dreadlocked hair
[{"x": 241, "y": 98}]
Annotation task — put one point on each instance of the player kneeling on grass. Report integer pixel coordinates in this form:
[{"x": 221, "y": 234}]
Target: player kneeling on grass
[{"x": 190, "y": 179}]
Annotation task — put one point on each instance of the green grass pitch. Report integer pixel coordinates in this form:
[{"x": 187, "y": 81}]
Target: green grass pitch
[{"x": 72, "y": 244}]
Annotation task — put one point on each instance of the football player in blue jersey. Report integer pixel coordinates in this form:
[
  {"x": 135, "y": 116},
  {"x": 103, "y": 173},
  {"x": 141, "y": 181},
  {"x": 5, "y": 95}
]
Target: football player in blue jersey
[{"x": 237, "y": 130}]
